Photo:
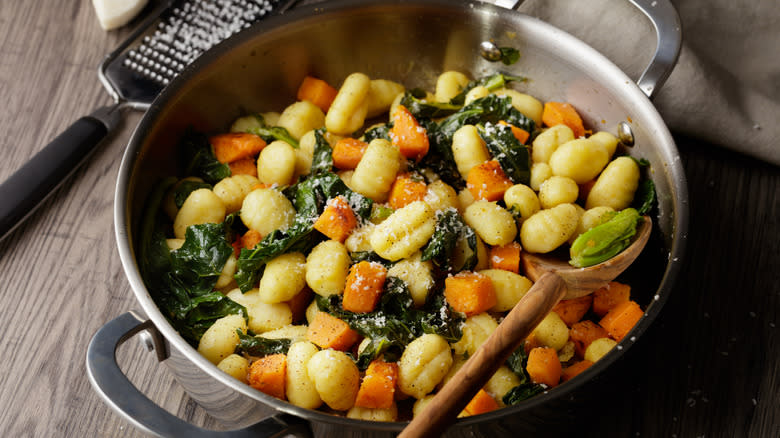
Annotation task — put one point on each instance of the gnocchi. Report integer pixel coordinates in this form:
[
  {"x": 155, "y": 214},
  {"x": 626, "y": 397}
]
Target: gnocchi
[{"x": 422, "y": 294}]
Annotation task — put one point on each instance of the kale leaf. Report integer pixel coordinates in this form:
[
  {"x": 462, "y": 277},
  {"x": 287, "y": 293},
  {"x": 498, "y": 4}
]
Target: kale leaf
[
  {"x": 449, "y": 231},
  {"x": 395, "y": 323},
  {"x": 645, "y": 196},
  {"x": 322, "y": 160},
  {"x": 260, "y": 346},
  {"x": 271, "y": 133},
  {"x": 514, "y": 158},
  {"x": 194, "y": 151},
  {"x": 492, "y": 83},
  {"x": 381, "y": 131}
]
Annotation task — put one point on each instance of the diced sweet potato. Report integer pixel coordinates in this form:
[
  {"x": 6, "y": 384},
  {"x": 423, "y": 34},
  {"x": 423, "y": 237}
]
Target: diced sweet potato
[
  {"x": 337, "y": 220},
  {"x": 470, "y": 292}
]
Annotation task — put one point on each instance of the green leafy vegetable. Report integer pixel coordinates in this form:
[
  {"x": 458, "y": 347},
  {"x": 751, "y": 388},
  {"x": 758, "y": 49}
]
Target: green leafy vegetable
[
  {"x": 271, "y": 133},
  {"x": 604, "y": 241},
  {"x": 521, "y": 392},
  {"x": 644, "y": 199},
  {"x": 450, "y": 230},
  {"x": 260, "y": 346},
  {"x": 196, "y": 154},
  {"x": 181, "y": 282},
  {"x": 514, "y": 158},
  {"x": 414, "y": 101},
  {"x": 381, "y": 212},
  {"x": 396, "y": 322},
  {"x": 322, "y": 160},
  {"x": 509, "y": 55},
  {"x": 382, "y": 131}
]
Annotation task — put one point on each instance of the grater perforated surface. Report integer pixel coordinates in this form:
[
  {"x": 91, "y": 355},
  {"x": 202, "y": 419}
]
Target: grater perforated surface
[{"x": 188, "y": 29}]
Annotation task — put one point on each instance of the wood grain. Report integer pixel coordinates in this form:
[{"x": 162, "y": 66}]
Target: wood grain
[{"x": 709, "y": 366}]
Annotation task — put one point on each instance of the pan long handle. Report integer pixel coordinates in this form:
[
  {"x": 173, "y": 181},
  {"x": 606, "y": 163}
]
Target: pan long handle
[
  {"x": 668, "y": 30},
  {"x": 39, "y": 177},
  {"x": 116, "y": 389}
]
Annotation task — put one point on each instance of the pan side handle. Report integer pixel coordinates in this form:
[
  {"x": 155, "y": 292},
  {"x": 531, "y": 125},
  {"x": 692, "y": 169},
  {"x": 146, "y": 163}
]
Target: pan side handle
[
  {"x": 118, "y": 392},
  {"x": 668, "y": 30}
]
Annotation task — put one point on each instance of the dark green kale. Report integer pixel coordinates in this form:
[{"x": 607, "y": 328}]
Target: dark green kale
[
  {"x": 509, "y": 55},
  {"x": 322, "y": 160},
  {"x": 196, "y": 155},
  {"x": 514, "y": 158},
  {"x": 395, "y": 323},
  {"x": 260, "y": 346},
  {"x": 451, "y": 230},
  {"x": 181, "y": 282},
  {"x": 644, "y": 198},
  {"x": 272, "y": 133},
  {"x": 414, "y": 101},
  {"x": 382, "y": 131}
]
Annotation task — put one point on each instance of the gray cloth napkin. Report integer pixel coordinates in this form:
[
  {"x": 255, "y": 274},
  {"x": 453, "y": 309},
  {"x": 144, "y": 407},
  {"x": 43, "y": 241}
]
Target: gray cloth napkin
[{"x": 725, "y": 88}]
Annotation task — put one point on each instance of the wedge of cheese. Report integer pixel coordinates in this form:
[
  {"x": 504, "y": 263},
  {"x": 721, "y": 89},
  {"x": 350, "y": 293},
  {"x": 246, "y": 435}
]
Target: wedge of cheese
[{"x": 116, "y": 13}]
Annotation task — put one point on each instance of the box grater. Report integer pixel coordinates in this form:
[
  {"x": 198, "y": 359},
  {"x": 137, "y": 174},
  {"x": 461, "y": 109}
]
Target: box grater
[{"x": 170, "y": 37}]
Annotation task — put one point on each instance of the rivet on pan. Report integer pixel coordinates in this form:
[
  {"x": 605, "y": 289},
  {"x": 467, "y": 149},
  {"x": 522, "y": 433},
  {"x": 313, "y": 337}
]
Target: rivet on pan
[
  {"x": 490, "y": 51},
  {"x": 146, "y": 340},
  {"x": 625, "y": 134}
]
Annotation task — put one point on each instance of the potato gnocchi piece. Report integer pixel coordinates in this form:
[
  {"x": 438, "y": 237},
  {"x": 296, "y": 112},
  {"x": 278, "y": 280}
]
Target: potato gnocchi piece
[
  {"x": 548, "y": 141},
  {"x": 581, "y": 160},
  {"x": 404, "y": 232},
  {"x": 300, "y": 388},
  {"x": 300, "y": 118},
  {"x": 283, "y": 278},
  {"x": 500, "y": 383},
  {"x": 424, "y": 362},
  {"x": 266, "y": 210},
  {"x": 381, "y": 95},
  {"x": 441, "y": 196},
  {"x": 549, "y": 229},
  {"x": 276, "y": 164},
  {"x": 598, "y": 349},
  {"x": 201, "y": 207},
  {"x": 510, "y": 287},
  {"x": 348, "y": 111},
  {"x": 616, "y": 185},
  {"x": 263, "y": 317},
  {"x": 327, "y": 267},
  {"x": 475, "y": 330},
  {"x": 540, "y": 172},
  {"x": 468, "y": 149},
  {"x": 551, "y": 332},
  {"x": 336, "y": 378},
  {"x": 376, "y": 171},
  {"x": 558, "y": 190},
  {"x": 220, "y": 340},
  {"x": 450, "y": 84},
  {"x": 235, "y": 366},
  {"x": 417, "y": 276},
  {"x": 522, "y": 199},
  {"x": 494, "y": 225},
  {"x": 530, "y": 106},
  {"x": 233, "y": 189}
]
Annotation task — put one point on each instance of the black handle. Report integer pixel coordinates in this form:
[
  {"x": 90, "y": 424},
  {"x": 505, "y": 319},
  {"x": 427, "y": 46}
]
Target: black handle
[{"x": 38, "y": 178}]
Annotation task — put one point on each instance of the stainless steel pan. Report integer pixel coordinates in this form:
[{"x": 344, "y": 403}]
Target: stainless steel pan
[{"x": 410, "y": 42}]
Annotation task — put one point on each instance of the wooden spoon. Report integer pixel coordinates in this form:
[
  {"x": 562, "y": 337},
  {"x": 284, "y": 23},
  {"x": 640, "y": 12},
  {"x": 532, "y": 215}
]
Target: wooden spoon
[{"x": 554, "y": 280}]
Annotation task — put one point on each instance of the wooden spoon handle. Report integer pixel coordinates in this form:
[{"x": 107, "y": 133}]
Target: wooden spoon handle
[{"x": 456, "y": 394}]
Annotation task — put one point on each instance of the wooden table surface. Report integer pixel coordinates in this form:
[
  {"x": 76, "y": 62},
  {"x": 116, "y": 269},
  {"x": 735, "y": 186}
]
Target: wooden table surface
[{"x": 708, "y": 367}]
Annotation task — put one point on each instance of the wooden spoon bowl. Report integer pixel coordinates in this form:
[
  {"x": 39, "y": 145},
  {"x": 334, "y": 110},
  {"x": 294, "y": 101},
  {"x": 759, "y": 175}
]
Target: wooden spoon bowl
[{"x": 554, "y": 280}]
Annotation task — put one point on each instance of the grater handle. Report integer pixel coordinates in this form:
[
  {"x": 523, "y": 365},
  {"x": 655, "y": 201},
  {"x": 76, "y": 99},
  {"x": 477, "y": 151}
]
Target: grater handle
[{"x": 39, "y": 177}]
